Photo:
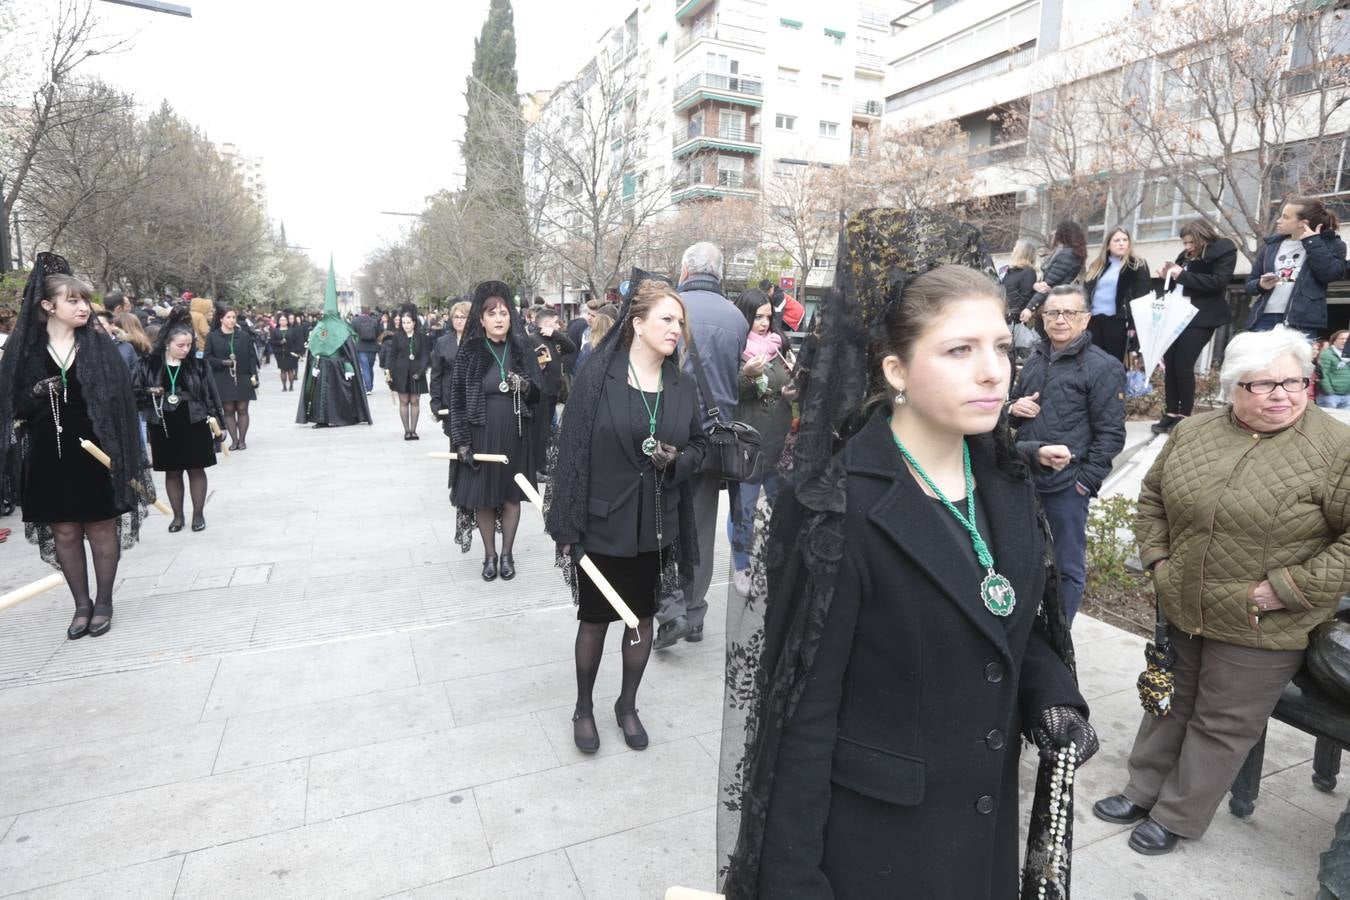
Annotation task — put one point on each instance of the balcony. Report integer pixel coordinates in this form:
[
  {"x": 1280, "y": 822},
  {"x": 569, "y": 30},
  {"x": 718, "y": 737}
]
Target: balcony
[
  {"x": 868, "y": 62},
  {"x": 1000, "y": 153},
  {"x": 874, "y": 17},
  {"x": 716, "y": 86},
  {"x": 722, "y": 136},
  {"x": 868, "y": 109},
  {"x": 730, "y": 34},
  {"x": 988, "y": 68},
  {"x": 721, "y": 183},
  {"x": 686, "y": 8}
]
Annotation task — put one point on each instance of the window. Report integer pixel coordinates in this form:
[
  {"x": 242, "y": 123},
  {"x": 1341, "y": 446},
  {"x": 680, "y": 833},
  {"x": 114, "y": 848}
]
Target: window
[
  {"x": 834, "y": 37},
  {"x": 1163, "y": 208},
  {"x": 788, "y": 168},
  {"x": 730, "y": 171},
  {"x": 823, "y": 260},
  {"x": 830, "y": 84},
  {"x": 829, "y": 129},
  {"x": 787, "y": 76},
  {"x": 785, "y": 122},
  {"x": 731, "y": 125},
  {"x": 790, "y": 24}
]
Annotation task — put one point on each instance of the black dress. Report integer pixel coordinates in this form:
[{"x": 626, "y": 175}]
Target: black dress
[
  {"x": 177, "y": 443},
  {"x": 492, "y": 484},
  {"x": 69, "y": 486},
  {"x": 406, "y": 357},
  {"x": 284, "y": 343},
  {"x": 239, "y": 344}
]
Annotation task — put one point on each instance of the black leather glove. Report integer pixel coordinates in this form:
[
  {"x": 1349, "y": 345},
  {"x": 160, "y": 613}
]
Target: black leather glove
[
  {"x": 664, "y": 455},
  {"x": 34, "y": 401},
  {"x": 465, "y": 456},
  {"x": 1059, "y": 726}
]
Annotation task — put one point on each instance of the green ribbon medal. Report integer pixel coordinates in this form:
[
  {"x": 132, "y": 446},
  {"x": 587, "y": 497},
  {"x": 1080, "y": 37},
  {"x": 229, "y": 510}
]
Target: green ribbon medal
[
  {"x": 501, "y": 364},
  {"x": 995, "y": 590},
  {"x": 63, "y": 363},
  {"x": 172, "y": 399},
  {"x": 649, "y": 443}
]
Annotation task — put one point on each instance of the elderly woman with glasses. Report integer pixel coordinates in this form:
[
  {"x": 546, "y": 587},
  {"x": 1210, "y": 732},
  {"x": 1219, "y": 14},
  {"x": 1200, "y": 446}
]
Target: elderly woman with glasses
[{"x": 1243, "y": 521}]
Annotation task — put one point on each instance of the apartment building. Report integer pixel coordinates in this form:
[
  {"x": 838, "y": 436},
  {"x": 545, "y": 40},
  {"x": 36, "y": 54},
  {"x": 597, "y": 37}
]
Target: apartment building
[{"x": 250, "y": 171}]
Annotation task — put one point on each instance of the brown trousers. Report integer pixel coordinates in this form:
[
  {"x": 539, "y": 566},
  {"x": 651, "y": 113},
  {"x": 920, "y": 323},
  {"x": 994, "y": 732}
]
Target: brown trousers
[{"x": 1182, "y": 764}]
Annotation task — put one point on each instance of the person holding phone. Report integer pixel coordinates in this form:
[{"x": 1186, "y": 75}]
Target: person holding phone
[{"x": 1294, "y": 267}]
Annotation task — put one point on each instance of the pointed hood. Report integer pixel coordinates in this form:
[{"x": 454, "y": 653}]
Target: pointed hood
[{"x": 331, "y": 332}]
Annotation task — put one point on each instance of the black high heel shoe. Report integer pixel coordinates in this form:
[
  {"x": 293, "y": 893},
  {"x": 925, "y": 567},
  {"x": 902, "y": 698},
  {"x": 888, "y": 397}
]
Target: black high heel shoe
[
  {"x": 79, "y": 625},
  {"x": 508, "y": 567},
  {"x": 198, "y": 522},
  {"x": 176, "y": 525},
  {"x": 101, "y": 628},
  {"x": 490, "y": 568},
  {"x": 634, "y": 735}
]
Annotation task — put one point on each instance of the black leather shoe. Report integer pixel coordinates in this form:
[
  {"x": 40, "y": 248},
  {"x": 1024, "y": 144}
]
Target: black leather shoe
[
  {"x": 1151, "y": 839},
  {"x": 490, "y": 569},
  {"x": 695, "y": 635},
  {"x": 584, "y": 734},
  {"x": 79, "y": 625},
  {"x": 508, "y": 567},
  {"x": 670, "y": 633},
  {"x": 176, "y": 525},
  {"x": 1118, "y": 809},
  {"x": 634, "y": 735},
  {"x": 198, "y": 523},
  {"x": 104, "y": 611}
]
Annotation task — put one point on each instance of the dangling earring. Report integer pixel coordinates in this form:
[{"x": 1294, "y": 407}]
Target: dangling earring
[{"x": 900, "y": 398}]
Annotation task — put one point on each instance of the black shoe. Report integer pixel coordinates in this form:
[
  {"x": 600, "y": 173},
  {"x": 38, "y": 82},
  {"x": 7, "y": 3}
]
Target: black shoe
[
  {"x": 242, "y": 446},
  {"x": 104, "y": 610},
  {"x": 1149, "y": 838},
  {"x": 198, "y": 522},
  {"x": 634, "y": 735},
  {"x": 407, "y": 436},
  {"x": 584, "y": 734},
  {"x": 1118, "y": 809},
  {"x": 413, "y": 436},
  {"x": 508, "y": 567},
  {"x": 695, "y": 635},
  {"x": 490, "y": 568},
  {"x": 1165, "y": 424},
  {"x": 176, "y": 525},
  {"x": 670, "y": 633},
  {"x": 79, "y": 625}
]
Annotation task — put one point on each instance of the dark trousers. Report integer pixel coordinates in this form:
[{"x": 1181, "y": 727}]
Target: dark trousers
[
  {"x": 1179, "y": 379},
  {"x": 367, "y": 360},
  {"x": 1183, "y": 763},
  {"x": 1111, "y": 334},
  {"x": 1067, "y": 512},
  {"x": 541, "y": 432}
]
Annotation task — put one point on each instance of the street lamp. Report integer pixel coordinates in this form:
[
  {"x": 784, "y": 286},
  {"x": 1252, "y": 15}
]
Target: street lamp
[{"x": 172, "y": 9}]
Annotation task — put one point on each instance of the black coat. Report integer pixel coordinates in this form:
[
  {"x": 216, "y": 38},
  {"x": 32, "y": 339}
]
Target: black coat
[
  {"x": 1307, "y": 307},
  {"x": 467, "y": 404},
  {"x": 1017, "y": 288},
  {"x": 622, "y": 482},
  {"x": 1206, "y": 282},
  {"x": 575, "y": 330},
  {"x": 394, "y": 359},
  {"x": 551, "y": 352},
  {"x": 442, "y": 366},
  {"x": 195, "y": 385},
  {"x": 245, "y": 353},
  {"x": 291, "y": 343},
  {"x": 898, "y": 774},
  {"x": 1063, "y": 266},
  {"x": 1131, "y": 285}
]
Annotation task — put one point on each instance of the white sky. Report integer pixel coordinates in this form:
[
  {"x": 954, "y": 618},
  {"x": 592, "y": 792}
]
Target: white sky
[{"x": 355, "y": 107}]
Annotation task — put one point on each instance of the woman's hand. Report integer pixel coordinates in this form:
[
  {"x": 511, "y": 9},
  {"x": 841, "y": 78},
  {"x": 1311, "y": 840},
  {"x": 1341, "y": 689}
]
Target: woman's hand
[
  {"x": 664, "y": 455},
  {"x": 1170, "y": 270},
  {"x": 1060, "y": 726},
  {"x": 790, "y": 391},
  {"x": 157, "y": 392},
  {"x": 1025, "y": 315},
  {"x": 45, "y": 386},
  {"x": 1269, "y": 280},
  {"x": 1306, "y": 231},
  {"x": 754, "y": 367},
  {"x": 517, "y": 381},
  {"x": 1265, "y": 599},
  {"x": 1041, "y": 287}
]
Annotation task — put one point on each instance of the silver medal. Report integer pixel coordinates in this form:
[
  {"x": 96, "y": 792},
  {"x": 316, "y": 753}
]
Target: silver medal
[
  {"x": 172, "y": 400},
  {"x": 504, "y": 387}
]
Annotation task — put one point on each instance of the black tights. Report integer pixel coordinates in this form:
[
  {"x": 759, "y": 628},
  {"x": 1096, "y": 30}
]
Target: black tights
[
  {"x": 409, "y": 409},
  {"x": 1179, "y": 378},
  {"x": 173, "y": 484},
  {"x": 590, "y": 648},
  {"x": 486, "y": 518},
  {"x": 236, "y": 421},
  {"x": 287, "y": 379},
  {"x": 70, "y": 537}
]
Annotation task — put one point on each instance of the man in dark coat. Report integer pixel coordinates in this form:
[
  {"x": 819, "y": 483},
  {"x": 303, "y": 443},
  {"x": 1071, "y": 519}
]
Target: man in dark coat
[
  {"x": 1068, "y": 406},
  {"x": 367, "y": 329},
  {"x": 551, "y": 347}
]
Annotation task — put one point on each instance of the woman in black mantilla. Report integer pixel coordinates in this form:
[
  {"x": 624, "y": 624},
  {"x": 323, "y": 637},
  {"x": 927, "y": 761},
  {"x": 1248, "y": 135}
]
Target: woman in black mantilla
[
  {"x": 911, "y": 631},
  {"x": 406, "y": 354},
  {"x": 176, "y": 394},
  {"x": 631, "y": 439},
  {"x": 288, "y": 345},
  {"x": 233, "y": 358},
  {"x": 493, "y": 391},
  {"x": 66, "y": 381}
]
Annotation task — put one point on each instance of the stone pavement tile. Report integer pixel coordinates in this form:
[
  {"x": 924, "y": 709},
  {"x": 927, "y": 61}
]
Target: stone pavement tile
[
  {"x": 59, "y": 775},
  {"x": 684, "y": 662},
  {"x": 1087, "y": 630},
  {"x": 1110, "y": 666},
  {"x": 250, "y": 575},
  {"x": 145, "y": 881},
  {"x": 534, "y": 813},
  {"x": 1294, "y": 784},
  {"x": 1275, "y": 854},
  {"x": 484, "y": 646},
  {"x": 364, "y": 778},
  {"x": 96, "y": 835},
  {"x": 712, "y": 743},
  {"x": 301, "y": 676},
  {"x": 349, "y": 610},
  {"x": 1285, "y": 746},
  {"x": 5, "y": 823},
  {"x": 335, "y": 725},
  {"x": 643, "y": 862},
  {"x": 689, "y": 709},
  {"x": 502, "y": 695},
  {"x": 213, "y": 578},
  {"x": 367, "y": 855},
  {"x": 544, "y": 877},
  {"x": 63, "y": 713}
]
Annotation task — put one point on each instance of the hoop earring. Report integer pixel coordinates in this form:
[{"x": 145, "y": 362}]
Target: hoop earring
[{"x": 900, "y": 399}]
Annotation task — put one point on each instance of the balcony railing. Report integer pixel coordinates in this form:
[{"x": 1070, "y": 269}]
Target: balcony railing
[
  {"x": 869, "y": 108},
  {"x": 869, "y": 61},
  {"x": 999, "y": 154},
  {"x": 721, "y": 180},
  {"x": 720, "y": 132},
  {"x": 875, "y": 16},
  {"x": 717, "y": 82},
  {"x": 732, "y": 33},
  {"x": 998, "y": 65}
]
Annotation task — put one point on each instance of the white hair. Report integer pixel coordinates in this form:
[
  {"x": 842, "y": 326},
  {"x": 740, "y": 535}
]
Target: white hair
[
  {"x": 703, "y": 258},
  {"x": 1253, "y": 351}
]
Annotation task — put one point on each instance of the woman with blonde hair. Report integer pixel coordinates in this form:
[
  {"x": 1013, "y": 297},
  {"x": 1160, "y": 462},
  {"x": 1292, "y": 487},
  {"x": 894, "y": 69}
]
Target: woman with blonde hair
[
  {"x": 1020, "y": 277},
  {"x": 1116, "y": 277}
]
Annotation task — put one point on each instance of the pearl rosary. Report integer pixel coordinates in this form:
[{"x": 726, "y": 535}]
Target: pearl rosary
[{"x": 1061, "y": 800}]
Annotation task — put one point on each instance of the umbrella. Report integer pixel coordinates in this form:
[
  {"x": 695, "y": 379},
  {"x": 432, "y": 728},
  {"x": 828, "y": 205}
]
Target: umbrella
[{"x": 1158, "y": 321}]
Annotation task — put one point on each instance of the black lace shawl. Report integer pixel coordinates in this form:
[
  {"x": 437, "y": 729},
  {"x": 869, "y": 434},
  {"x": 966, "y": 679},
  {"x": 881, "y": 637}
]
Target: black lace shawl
[
  {"x": 106, "y": 385},
  {"x": 773, "y": 634},
  {"x": 570, "y": 486}
]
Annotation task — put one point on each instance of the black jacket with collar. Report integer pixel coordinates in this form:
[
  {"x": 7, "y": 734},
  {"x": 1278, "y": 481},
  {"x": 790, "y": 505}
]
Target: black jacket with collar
[
  {"x": 1325, "y": 263},
  {"x": 1063, "y": 266},
  {"x": 623, "y": 483},
  {"x": 468, "y": 406},
  {"x": 898, "y": 774},
  {"x": 551, "y": 352},
  {"x": 1206, "y": 281},
  {"x": 1130, "y": 285},
  {"x": 1082, "y": 400},
  {"x": 195, "y": 385},
  {"x": 442, "y": 366}
]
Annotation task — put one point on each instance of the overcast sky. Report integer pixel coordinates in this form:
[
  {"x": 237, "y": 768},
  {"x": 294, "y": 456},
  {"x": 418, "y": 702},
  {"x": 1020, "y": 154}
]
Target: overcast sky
[{"x": 355, "y": 107}]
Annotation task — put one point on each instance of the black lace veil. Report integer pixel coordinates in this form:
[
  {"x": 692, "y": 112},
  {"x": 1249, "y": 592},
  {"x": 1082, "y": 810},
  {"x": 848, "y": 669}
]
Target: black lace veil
[
  {"x": 106, "y": 386},
  {"x": 772, "y": 635}
]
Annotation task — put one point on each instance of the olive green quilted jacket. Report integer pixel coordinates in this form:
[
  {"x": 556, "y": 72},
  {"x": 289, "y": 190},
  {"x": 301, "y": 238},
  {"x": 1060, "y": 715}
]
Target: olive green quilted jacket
[{"x": 1223, "y": 509}]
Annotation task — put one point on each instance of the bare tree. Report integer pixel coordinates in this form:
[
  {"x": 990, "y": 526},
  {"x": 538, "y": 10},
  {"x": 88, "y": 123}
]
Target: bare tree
[{"x": 804, "y": 206}]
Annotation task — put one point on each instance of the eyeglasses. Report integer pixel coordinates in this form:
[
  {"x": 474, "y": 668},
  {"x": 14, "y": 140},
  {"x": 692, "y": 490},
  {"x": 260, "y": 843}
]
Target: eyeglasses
[
  {"x": 1050, "y": 315},
  {"x": 1290, "y": 385}
]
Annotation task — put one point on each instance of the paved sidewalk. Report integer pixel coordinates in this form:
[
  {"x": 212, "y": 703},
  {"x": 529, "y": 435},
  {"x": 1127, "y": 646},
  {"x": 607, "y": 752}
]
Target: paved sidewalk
[{"x": 319, "y": 697}]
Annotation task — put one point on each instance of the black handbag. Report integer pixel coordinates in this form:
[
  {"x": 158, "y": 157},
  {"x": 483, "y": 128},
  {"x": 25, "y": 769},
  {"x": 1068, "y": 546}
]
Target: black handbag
[{"x": 733, "y": 452}]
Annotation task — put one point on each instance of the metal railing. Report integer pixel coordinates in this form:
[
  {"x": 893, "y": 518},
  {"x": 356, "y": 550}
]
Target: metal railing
[
  {"x": 721, "y": 131},
  {"x": 1002, "y": 153},
  {"x": 875, "y": 16},
  {"x": 718, "y": 82},
  {"x": 869, "y": 61},
  {"x": 722, "y": 179},
  {"x": 996, "y": 66},
  {"x": 719, "y": 32}
]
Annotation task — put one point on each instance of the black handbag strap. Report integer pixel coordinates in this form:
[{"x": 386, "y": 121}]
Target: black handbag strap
[{"x": 702, "y": 376}]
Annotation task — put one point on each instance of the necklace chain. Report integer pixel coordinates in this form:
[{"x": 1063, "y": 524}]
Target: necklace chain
[
  {"x": 968, "y": 520},
  {"x": 501, "y": 360},
  {"x": 63, "y": 363},
  {"x": 652, "y": 411}
]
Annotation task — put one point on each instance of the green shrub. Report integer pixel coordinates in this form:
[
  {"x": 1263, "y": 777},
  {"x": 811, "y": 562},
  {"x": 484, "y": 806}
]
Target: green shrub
[{"x": 1110, "y": 545}]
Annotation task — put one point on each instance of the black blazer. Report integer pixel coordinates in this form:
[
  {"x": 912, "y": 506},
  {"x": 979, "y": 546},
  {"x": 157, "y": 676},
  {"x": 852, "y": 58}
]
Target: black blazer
[
  {"x": 245, "y": 352},
  {"x": 195, "y": 385},
  {"x": 442, "y": 365},
  {"x": 1131, "y": 285},
  {"x": 1063, "y": 266},
  {"x": 622, "y": 481},
  {"x": 1017, "y": 284},
  {"x": 394, "y": 355},
  {"x": 1206, "y": 282},
  {"x": 898, "y": 774}
]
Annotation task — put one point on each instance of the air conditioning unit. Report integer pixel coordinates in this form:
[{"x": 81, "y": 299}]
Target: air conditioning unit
[{"x": 1026, "y": 198}]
